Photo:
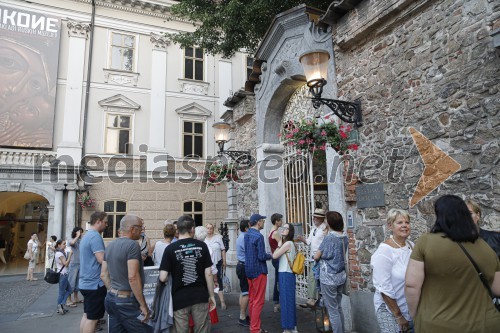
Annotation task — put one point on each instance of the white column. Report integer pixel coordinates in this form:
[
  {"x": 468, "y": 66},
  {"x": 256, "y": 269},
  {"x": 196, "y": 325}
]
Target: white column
[
  {"x": 271, "y": 193},
  {"x": 225, "y": 84},
  {"x": 50, "y": 224},
  {"x": 70, "y": 145},
  {"x": 58, "y": 211},
  {"x": 335, "y": 176},
  {"x": 157, "y": 105},
  {"x": 70, "y": 210},
  {"x": 232, "y": 228}
]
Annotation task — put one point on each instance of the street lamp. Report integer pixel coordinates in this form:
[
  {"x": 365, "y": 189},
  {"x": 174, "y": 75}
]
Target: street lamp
[
  {"x": 315, "y": 65},
  {"x": 221, "y": 133}
]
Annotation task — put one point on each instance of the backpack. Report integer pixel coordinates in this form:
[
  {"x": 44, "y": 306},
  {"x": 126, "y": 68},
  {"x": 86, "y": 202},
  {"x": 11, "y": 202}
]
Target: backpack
[{"x": 298, "y": 262}]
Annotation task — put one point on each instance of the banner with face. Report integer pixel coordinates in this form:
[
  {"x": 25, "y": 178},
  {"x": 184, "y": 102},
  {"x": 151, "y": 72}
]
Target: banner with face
[{"x": 29, "y": 55}]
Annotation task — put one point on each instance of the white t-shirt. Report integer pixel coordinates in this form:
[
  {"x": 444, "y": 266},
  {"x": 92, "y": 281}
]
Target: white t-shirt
[
  {"x": 160, "y": 247},
  {"x": 215, "y": 243},
  {"x": 389, "y": 268},
  {"x": 59, "y": 264}
]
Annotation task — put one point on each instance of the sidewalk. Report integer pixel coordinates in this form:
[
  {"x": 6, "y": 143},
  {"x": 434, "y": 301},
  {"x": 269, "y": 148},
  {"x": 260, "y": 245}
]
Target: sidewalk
[{"x": 30, "y": 307}]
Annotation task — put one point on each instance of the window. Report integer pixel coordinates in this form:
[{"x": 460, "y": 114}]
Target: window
[
  {"x": 193, "y": 63},
  {"x": 192, "y": 134},
  {"x": 115, "y": 210},
  {"x": 122, "y": 52},
  {"x": 249, "y": 66},
  {"x": 195, "y": 210},
  {"x": 117, "y": 136}
]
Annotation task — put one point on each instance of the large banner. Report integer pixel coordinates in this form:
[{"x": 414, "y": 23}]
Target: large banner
[{"x": 29, "y": 54}]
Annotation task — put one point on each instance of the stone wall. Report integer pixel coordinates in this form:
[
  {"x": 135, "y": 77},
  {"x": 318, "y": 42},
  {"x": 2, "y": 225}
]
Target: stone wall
[
  {"x": 430, "y": 65},
  {"x": 244, "y": 124}
]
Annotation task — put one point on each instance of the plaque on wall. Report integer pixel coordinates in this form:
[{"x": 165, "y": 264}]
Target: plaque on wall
[{"x": 370, "y": 195}]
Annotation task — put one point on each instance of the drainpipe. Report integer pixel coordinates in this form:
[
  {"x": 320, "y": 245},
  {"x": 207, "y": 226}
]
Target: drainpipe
[
  {"x": 87, "y": 94},
  {"x": 89, "y": 71}
]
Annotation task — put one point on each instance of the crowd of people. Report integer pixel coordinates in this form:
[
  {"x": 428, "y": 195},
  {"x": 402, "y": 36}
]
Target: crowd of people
[{"x": 431, "y": 285}]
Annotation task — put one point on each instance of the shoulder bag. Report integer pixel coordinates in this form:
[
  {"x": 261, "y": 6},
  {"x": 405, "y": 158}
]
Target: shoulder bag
[
  {"x": 52, "y": 276},
  {"x": 298, "y": 263},
  {"x": 495, "y": 300},
  {"x": 346, "y": 288},
  {"x": 27, "y": 255}
]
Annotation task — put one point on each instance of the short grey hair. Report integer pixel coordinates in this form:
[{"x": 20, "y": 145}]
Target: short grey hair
[
  {"x": 200, "y": 233},
  {"x": 394, "y": 213},
  {"x": 128, "y": 221}
]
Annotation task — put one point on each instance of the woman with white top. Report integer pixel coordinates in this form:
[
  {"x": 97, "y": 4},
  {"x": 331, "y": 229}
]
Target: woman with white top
[
  {"x": 214, "y": 241},
  {"x": 62, "y": 264},
  {"x": 389, "y": 265},
  {"x": 161, "y": 245},
  {"x": 51, "y": 250},
  {"x": 33, "y": 245},
  {"x": 286, "y": 252}
]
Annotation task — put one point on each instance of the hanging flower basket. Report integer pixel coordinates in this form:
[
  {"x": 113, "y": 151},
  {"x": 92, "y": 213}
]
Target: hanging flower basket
[
  {"x": 310, "y": 136},
  {"x": 218, "y": 172},
  {"x": 85, "y": 201}
]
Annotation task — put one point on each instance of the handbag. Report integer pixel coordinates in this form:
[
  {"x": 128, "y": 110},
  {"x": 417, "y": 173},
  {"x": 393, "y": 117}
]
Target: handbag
[
  {"x": 495, "y": 300},
  {"x": 346, "y": 288},
  {"x": 27, "y": 255},
  {"x": 52, "y": 276},
  {"x": 298, "y": 262},
  {"x": 226, "y": 282}
]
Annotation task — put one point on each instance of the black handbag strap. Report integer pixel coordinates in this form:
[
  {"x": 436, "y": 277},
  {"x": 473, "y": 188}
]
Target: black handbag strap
[{"x": 480, "y": 274}]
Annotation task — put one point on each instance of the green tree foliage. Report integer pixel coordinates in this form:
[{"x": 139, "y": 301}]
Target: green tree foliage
[{"x": 226, "y": 26}]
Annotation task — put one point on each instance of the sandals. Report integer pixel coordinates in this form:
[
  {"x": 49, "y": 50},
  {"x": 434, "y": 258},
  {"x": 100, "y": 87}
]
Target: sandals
[{"x": 71, "y": 305}]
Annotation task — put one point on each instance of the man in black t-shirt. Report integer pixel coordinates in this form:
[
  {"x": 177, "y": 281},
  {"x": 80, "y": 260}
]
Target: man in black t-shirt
[{"x": 188, "y": 262}]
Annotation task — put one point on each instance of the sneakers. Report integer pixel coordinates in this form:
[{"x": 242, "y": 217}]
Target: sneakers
[
  {"x": 244, "y": 322},
  {"x": 61, "y": 310}
]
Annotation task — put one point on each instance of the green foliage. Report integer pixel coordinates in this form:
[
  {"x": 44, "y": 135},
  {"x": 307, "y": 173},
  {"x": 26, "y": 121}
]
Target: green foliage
[
  {"x": 226, "y": 26},
  {"x": 310, "y": 136},
  {"x": 219, "y": 172}
]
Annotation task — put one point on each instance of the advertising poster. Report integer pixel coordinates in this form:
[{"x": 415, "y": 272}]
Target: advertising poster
[
  {"x": 29, "y": 55},
  {"x": 151, "y": 275}
]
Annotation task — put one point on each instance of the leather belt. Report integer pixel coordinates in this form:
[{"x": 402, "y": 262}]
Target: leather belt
[{"x": 120, "y": 293}]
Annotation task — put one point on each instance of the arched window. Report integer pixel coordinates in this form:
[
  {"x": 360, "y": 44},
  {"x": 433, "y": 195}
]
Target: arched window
[
  {"x": 116, "y": 210},
  {"x": 195, "y": 210}
]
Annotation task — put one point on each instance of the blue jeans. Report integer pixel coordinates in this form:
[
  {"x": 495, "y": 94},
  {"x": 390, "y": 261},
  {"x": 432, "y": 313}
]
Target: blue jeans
[
  {"x": 276, "y": 293},
  {"x": 64, "y": 289},
  {"x": 123, "y": 313}
]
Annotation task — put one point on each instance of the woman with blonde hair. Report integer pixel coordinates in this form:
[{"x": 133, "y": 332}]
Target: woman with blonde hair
[
  {"x": 215, "y": 243},
  {"x": 389, "y": 263},
  {"x": 33, "y": 246},
  {"x": 490, "y": 237}
]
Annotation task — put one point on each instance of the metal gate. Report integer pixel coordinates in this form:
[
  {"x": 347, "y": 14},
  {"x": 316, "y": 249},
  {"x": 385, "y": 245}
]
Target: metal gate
[{"x": 299, "y": 200}]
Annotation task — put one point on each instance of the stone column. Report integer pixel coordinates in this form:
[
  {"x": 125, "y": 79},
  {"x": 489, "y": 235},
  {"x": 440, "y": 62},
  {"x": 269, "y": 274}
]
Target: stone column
[
  {"x": 70, "y": 148},
  {"x": 70, "y": 210},
  {"x": 58, "y": 211},
  {"x": 335, "y": 176},
  {"x": 157, "y": 111},
  {"x": 50, "y": 224},
  {"x": 232, "y": 226},
  {"x": 271, "y": 193}
]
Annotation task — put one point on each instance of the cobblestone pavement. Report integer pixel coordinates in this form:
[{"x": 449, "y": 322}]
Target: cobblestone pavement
[{"x": 28, "y": 307}]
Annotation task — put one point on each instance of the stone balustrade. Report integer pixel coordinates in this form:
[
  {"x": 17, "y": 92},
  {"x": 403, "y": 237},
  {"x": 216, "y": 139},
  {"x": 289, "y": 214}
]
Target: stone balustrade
[{"x": 26, "y": 157}]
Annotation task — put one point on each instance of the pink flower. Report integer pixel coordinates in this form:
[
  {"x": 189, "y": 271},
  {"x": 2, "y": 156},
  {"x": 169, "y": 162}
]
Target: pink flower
[
  {"x": 323, "y": 132},
  {"x": 323, "y": 147},
  {"x": 289, "y": 136},
  {"x": 343, "y": 134},
  {"x": 353, "y": 147},
  {"x": 327, "y": 117},
  {"x": 301, "y": 142}
]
